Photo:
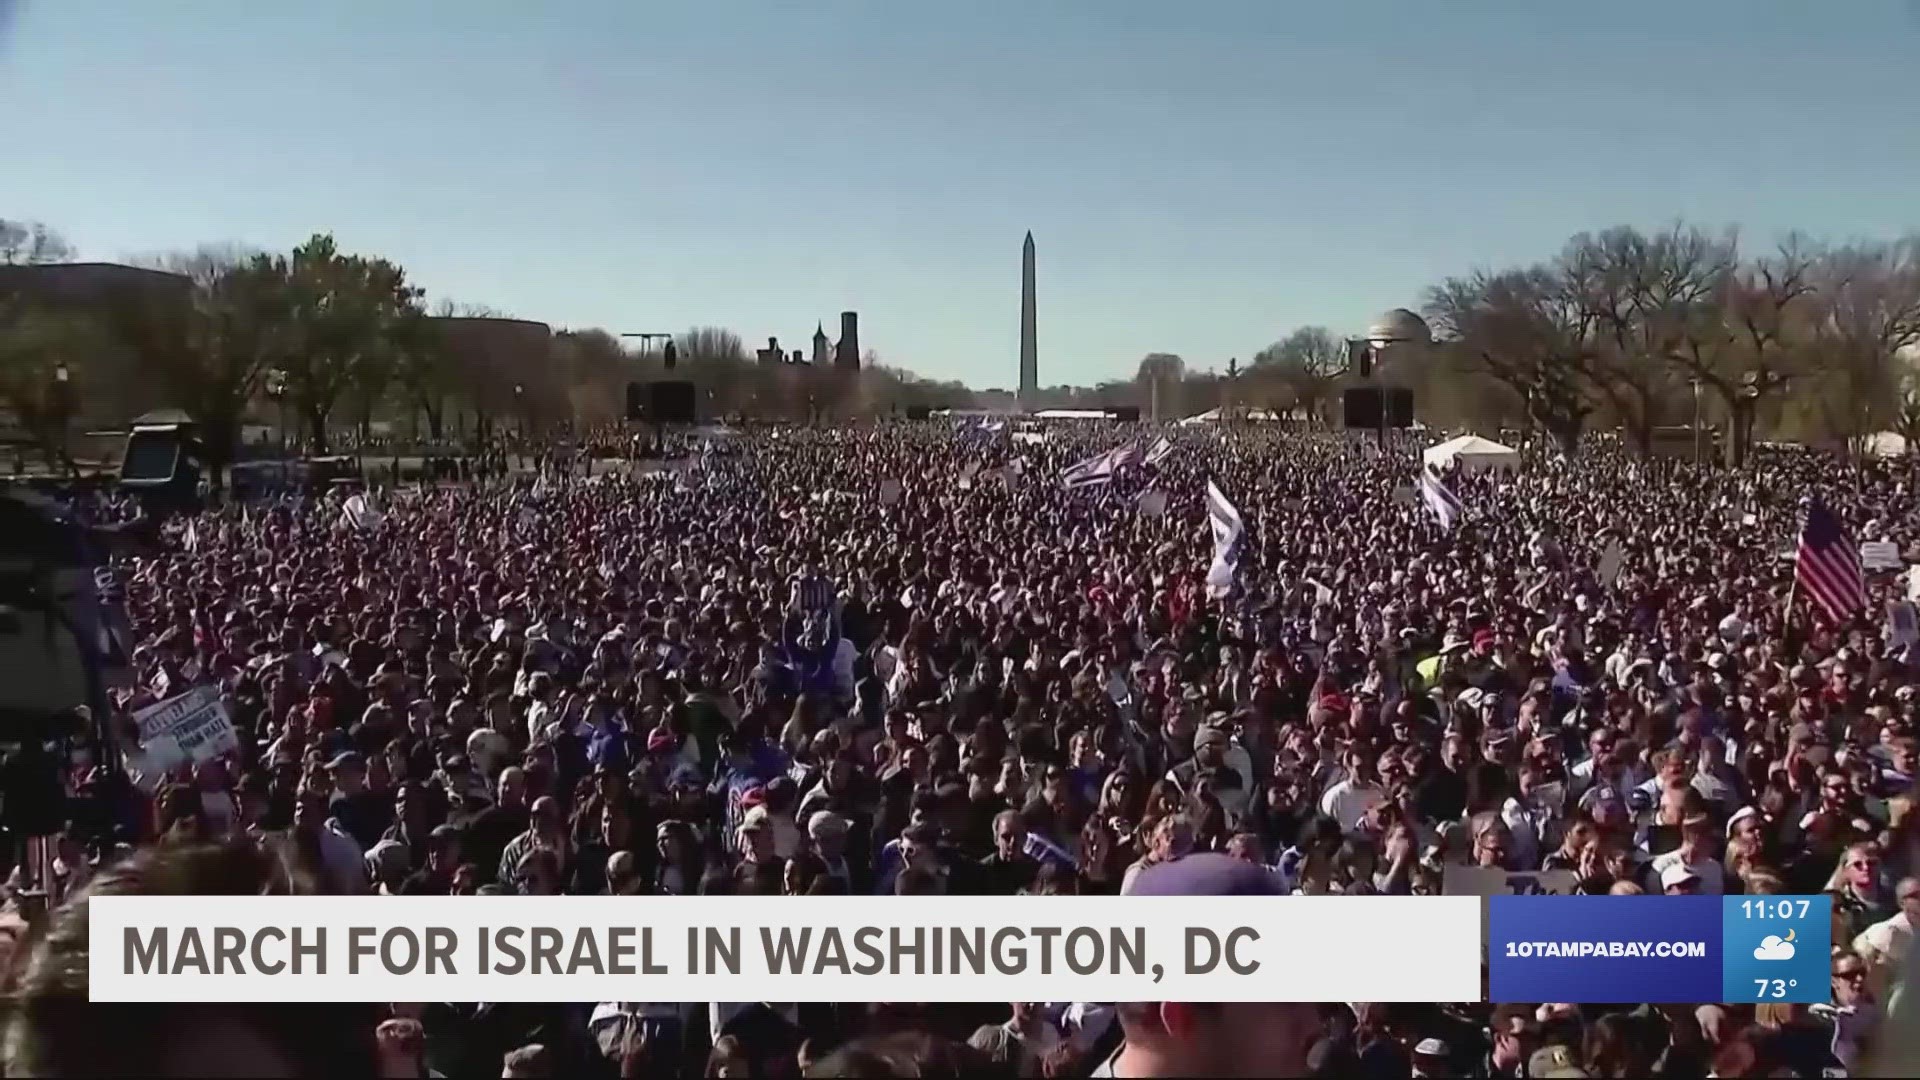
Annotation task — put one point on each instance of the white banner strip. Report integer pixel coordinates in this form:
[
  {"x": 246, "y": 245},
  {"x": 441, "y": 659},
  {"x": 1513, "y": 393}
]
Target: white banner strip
[{"x": 800, "y": 949}]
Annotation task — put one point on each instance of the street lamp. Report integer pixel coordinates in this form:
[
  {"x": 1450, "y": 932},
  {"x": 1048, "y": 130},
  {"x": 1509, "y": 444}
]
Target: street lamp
[
  {"x": 1392, "y": 334},
  {"x": 62, "y": 410},
  {"x": 1696, "y": 418},
  {"x": 277, "y": 393}
]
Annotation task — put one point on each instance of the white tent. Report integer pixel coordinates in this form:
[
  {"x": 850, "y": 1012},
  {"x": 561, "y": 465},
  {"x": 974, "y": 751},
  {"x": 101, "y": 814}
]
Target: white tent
[
  {"x": 1471, "y": 453},
  {"x": 1886, "y": 444}
]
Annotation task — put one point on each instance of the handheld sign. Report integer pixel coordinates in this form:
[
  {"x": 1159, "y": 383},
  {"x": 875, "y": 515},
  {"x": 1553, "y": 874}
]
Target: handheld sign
[
  {"x": 192, "y": 727},
  {"x": 1492, "y": 881},
  {"x": 1611, "y": 561},
  {"x": 1153, "y": 503},
  {"x": 890, "y": 492},
  {"x": 1903, "y": 623},
  {"x": 1487, "y": 882},
  {"x": 1880, "y": 555}
]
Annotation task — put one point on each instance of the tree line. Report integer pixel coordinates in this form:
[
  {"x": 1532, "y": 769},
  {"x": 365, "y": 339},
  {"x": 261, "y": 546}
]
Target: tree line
[
  {"x": 332, "y": 345},
  {"x": 1623, "y": 330},
  {"x": 1635, "y": 331}
]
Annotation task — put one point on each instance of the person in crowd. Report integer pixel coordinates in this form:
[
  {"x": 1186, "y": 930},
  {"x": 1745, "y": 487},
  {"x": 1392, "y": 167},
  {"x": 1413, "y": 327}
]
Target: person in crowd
[{"x": 750, "y": 677}]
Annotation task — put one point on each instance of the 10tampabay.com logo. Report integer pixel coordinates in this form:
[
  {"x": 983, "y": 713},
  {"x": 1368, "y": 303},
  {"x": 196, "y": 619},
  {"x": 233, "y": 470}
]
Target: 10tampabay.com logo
[{"x": 1658, "y": 948}]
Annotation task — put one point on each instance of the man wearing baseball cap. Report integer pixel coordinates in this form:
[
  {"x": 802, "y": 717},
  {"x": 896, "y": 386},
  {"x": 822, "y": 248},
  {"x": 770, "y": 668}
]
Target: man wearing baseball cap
[{"x": 1173, "y": 1038}]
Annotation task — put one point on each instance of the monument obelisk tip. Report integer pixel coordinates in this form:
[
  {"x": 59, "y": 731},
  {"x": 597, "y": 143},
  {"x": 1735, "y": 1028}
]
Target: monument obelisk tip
[{"x": 1029, "y": 352}]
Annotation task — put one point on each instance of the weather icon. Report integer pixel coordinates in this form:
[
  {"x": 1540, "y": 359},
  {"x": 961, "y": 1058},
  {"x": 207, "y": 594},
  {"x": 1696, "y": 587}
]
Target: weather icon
[{"x": 1774, "y": 947}]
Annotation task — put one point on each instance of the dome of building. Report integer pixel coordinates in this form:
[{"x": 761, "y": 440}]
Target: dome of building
[{"x": 1399, "y": 326}]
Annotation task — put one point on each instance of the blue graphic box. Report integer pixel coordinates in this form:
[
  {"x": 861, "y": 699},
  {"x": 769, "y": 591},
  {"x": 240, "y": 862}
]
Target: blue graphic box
[
  {"x": 1603, "y": 949},
  {"x": 1777, "y": 948}
]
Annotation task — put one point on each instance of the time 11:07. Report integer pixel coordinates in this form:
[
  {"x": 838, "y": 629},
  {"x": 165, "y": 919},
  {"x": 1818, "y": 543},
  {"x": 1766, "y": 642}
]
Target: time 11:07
[{"x": 1777, "y": 909}]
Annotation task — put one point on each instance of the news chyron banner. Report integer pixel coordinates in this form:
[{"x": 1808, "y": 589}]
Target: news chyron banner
[
  {"x": 784, "y": 948},
  {"x": 1661, "y": 949}
]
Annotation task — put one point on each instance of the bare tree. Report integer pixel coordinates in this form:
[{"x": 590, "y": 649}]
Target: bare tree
[
  {"x": 1307, "y": 362},
  {"x": 1529, "y": 332},
  {"x": 204, "y": 265},
  {"x": 710, "y": 343},
  {"x": 28, "y": 242},
  {"x": 1739, "y": 342},
  {"x": 1637, "y": 290},
  {"x": 1865, "y": 314},
  {"x": 1906, "y": 417}
]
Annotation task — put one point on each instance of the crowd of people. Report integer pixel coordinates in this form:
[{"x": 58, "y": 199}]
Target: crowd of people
[{"x": 906, "y": 659}]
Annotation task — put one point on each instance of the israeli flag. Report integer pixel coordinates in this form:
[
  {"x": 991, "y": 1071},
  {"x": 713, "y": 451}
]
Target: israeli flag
[
  {"x": 1439, "y": 498},
  {"x": 1227, "y": 530}
]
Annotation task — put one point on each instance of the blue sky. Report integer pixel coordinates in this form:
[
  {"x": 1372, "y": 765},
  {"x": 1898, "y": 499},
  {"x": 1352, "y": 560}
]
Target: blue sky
[{"x": 1200, "y": 178}]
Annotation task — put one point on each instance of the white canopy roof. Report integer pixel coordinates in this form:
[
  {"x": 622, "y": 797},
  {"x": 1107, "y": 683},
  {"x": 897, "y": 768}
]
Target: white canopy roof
[{"x": 1472, "y": 453}]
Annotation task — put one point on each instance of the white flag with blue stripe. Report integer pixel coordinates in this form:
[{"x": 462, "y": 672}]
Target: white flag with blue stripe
[
  {"x": 1439, "y": 498},
  {"x": 1227, "y": 530},
  {"x": 1094, "y": 471}
]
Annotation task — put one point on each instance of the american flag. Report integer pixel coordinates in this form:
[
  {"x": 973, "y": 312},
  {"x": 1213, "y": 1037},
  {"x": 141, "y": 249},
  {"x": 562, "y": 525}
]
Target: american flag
[{"x": 1827, "y": 565}]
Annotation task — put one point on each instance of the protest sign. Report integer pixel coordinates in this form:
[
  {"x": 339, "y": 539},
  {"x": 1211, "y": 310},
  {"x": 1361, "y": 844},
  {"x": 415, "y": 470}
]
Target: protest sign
[
  {"x": 1611, "y": 560},
  {"x": 1485, "y": 881},
  {"x": 1492, "y": 881},
  {"x": 1903, "y": 623},
  {"x": 890, "y": 492},
  {"x": 192, "y": 727},
  {"x": 1880, "y": 555},
  {"x": 1405, "y": 495},
  {"x": 1153, "y": 503}
]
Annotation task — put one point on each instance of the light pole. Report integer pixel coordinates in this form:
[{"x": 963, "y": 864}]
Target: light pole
[
  {"x": 63, "y": 409},
  {"x": 277, "y": 393},
  {"x": 1696, "y": 420},
  {"x": 1393, "y": 332}
]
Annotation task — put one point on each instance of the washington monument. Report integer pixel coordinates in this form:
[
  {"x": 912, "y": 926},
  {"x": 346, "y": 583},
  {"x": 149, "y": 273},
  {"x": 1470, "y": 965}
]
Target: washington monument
[{"x": 1029, "y": 357}]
